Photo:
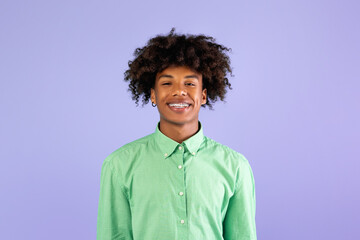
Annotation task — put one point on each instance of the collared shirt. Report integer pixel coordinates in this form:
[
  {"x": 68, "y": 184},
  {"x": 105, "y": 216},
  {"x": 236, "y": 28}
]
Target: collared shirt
[{"x": 155, "y": 188}]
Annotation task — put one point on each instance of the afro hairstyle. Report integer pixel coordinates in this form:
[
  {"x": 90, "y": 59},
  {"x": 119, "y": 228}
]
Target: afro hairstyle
[{"x": 198, "y": 52}]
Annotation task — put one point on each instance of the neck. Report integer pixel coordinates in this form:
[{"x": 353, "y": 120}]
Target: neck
[{"x": 179, "y": 132}]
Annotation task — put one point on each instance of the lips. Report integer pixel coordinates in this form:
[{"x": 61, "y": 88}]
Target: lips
[{"x": 179, "y": 107}]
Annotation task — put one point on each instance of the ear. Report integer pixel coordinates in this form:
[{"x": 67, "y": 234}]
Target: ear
[
  {"x": 152, "y": 97},
  {"x": 203, "y": 98}
]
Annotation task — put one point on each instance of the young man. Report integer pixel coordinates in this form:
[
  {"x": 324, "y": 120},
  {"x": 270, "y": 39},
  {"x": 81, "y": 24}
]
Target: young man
[{"x": 177, "y": 183}]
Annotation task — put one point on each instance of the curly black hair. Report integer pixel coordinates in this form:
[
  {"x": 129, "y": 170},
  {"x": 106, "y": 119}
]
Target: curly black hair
[{"x": 198, "y": 52}]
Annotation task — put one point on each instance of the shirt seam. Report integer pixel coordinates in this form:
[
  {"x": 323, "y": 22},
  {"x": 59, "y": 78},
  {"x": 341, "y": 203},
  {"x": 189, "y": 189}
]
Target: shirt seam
[{"x": 122, "y": 186}]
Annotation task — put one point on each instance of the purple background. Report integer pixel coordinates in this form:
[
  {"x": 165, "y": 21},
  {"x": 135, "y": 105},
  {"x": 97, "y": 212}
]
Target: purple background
[{"x": 293, "y": 111}]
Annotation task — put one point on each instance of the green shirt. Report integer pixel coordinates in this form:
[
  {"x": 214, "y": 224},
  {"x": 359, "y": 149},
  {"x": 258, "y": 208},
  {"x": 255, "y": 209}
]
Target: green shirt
[{"x": 157, "y": 189}]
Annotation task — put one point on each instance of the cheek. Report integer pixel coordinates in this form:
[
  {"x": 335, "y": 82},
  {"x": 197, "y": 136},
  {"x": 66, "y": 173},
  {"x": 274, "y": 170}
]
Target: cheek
[
  {"x": 161, "y": 96},
  {"x": 199, "y": 97}
]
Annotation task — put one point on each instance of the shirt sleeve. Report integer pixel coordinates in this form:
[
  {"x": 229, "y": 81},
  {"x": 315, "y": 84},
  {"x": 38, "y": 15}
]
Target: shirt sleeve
[
  {"x": 239, "y": 221},
  {"x": 114, "y": 215}
]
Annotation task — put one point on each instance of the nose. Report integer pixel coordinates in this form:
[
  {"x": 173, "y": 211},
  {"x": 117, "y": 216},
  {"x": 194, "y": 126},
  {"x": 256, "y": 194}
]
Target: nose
[{"x": 179, "y": 91}]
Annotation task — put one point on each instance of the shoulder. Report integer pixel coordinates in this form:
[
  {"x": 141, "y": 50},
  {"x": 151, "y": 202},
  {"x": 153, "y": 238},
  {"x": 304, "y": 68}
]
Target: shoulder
[
  {"x": 124, "y": 155},
  {"x": 234, "y": 160},
  {"x": 230, "y": 154}
]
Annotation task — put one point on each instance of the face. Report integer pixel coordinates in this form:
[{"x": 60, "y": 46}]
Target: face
[{"x": 178, "y": 95}]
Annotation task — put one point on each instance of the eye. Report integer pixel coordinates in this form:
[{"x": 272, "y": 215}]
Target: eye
[
  {"x": 191, "y": 84},
  {"x": 166, "y": 83}
]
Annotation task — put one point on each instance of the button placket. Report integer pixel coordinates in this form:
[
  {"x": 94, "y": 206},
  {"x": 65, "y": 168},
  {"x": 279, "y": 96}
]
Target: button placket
[{"x": 181, "y": 191}]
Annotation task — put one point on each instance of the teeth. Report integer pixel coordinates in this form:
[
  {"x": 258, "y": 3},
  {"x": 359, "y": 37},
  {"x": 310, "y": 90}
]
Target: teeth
[{"x": 179, "y": 105}]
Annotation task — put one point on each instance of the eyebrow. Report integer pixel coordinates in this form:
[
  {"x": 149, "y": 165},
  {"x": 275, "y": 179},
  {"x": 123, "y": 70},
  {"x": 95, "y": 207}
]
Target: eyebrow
[{"x": 170, "y": 76}]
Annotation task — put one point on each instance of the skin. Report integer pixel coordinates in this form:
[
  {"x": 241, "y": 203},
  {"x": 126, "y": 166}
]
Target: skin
[{"x": 178, "y": 83}]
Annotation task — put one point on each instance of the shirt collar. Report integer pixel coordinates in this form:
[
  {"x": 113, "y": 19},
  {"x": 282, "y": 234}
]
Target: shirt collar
[{"x": 168, "y": 146}]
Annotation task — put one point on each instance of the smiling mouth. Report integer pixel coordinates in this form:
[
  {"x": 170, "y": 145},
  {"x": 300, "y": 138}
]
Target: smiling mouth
[{"x": 179, "y": 107}]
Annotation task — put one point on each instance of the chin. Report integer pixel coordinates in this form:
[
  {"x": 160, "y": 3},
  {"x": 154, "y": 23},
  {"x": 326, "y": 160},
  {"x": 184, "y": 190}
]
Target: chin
[{"x": 177, "y": 120}]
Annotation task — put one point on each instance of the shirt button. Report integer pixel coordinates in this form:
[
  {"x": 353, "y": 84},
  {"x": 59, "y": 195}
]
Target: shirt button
[
  {"x": 180, "y": 148},
  {"x": 182, "y": 221},
  {"x": 179, "y": 166},
  {"x": 181, "y": 193},
  {"x": 165, "y": 154},
  {"x": 193, "y": 153}
]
